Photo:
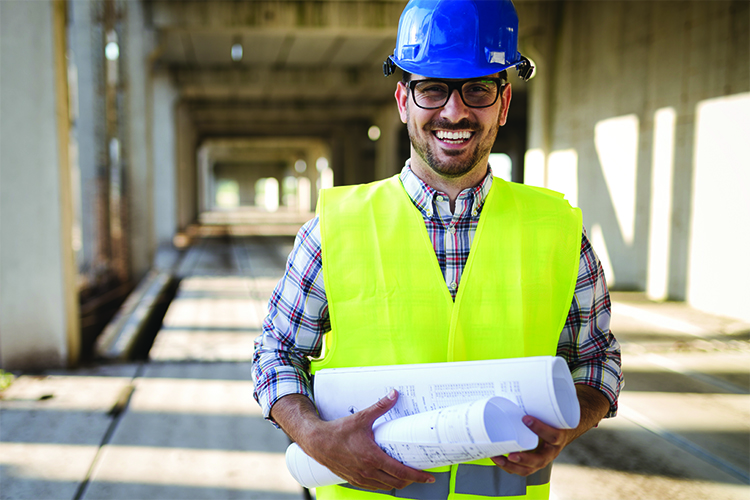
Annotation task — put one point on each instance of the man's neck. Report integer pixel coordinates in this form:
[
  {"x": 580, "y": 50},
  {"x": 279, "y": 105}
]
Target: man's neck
[{"x": 452, "y": 186}]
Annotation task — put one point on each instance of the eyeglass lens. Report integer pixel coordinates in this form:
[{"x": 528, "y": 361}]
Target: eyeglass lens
[{"x": 431, "y": 94}]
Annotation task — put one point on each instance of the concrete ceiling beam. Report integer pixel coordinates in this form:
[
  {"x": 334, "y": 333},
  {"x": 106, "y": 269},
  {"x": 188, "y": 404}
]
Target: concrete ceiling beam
[
  {"x": 218, "y": 15},
  {"x": 287, "y": 118},
  {"x": 269, "y": 83}
]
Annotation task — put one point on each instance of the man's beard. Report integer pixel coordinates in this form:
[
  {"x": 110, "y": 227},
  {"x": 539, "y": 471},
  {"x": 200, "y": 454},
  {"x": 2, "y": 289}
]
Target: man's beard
[{"x": 452, "y": 168}]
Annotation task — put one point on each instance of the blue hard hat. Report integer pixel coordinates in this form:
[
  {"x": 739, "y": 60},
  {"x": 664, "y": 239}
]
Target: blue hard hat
[{"x": 458, "y": 39}]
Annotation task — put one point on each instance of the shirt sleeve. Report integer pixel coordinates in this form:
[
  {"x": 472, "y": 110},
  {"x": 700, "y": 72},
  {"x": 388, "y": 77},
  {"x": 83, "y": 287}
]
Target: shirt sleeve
[
  {"x": 586, "y": 342},
  {"x": 294, "y": 327}
]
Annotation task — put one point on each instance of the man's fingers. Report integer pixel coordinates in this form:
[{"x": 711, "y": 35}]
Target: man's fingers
[
  {"x": 524, "y": 463},
  {"x": 387, "y": 475},
  {"x": 545, "y": 432},
  {"x": 381, "y": 407},
  {"x": 403, "y": 473},
  {"x": 512, "y": 468},
  {"x": 394, "y": 472},
  {"x": 384, "y": 481}
]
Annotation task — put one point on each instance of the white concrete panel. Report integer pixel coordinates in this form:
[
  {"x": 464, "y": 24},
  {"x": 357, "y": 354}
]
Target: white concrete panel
[
  {"x": 303, "y": 194},
  {"x": 616, "y": 142},
  {"x": 32, "y": 288},
  {"x": 662, "y": 170},
  {"x": 533, "y": 168},
  {"x": 562, "y": 174},
  {"x": 719, "y": 270},
  {"x": 501, "y": 165}
]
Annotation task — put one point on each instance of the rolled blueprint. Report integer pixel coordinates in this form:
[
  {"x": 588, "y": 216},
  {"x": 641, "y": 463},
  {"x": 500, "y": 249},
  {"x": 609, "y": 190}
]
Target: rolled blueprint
[
  {"x": 470, "y": 431},
  {"x": 307, "y": 471},
  {"x": 541, "y": 386}
]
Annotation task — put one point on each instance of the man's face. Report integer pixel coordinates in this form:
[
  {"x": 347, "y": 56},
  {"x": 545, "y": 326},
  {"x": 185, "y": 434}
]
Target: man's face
[{"x": 455, "y": 139}]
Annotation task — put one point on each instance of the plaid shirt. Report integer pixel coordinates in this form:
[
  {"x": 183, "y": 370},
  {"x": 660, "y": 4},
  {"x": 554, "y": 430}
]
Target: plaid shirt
[{"x": 298, "y": 310}]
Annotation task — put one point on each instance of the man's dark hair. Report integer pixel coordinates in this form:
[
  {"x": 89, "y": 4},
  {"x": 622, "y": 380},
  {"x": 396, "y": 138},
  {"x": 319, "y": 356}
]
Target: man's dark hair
[{"x": 406, "y": 76}]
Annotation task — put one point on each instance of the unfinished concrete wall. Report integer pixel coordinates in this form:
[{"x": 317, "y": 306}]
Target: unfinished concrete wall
[
  {"x": 614, "y": 123},
  {"x": 38, "y": 300}
]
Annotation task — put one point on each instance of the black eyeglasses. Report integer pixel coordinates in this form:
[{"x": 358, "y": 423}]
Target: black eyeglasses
[{"x": 475, "y": 93}]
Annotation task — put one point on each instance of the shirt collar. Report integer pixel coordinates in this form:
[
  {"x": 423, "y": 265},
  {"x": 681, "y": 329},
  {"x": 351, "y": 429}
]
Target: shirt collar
[{"x": 422, "y": 195}]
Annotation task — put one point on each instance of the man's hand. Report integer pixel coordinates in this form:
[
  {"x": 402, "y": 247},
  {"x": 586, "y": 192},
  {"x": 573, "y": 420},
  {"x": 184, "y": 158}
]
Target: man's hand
[
  {"x": 551, "y": 443},
  {"x": 552, "y": 440},
  {"x": 346, "y": 445}
]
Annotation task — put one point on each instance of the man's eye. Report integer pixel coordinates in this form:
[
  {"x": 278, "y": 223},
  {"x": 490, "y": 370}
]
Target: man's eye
[
  {"x": 433, "y": 89},
  {"x": 478, "y": 88}
]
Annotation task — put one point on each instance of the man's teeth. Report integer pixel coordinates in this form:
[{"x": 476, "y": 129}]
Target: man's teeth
[{"x": 453, "y": 136}]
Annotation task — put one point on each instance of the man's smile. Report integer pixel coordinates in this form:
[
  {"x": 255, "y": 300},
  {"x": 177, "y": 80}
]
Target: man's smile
[{"x": 453, "y": 136}]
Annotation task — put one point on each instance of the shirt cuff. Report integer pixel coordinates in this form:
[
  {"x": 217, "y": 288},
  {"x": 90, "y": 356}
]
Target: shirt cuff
[
  {"x": 280, "y": 382},
  {"x": 608, "y": 382}
]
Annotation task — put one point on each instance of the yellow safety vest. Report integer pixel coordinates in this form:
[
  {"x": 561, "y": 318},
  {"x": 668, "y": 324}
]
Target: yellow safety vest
[{"x": 389, "y": 304}]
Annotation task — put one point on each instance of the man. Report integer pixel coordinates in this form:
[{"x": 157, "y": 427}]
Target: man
[{"x": 377, "y": 272}]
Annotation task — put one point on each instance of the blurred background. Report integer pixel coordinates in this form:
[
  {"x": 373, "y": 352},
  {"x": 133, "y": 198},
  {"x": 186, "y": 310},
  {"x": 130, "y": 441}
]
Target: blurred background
[{"x": 157, "y": 151}]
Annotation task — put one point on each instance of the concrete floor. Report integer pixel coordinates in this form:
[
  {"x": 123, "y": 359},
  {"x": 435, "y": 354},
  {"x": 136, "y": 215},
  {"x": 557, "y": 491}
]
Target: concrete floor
[
  {"x": 184, "y": 424},
  {"x": 683, "y": 428}
]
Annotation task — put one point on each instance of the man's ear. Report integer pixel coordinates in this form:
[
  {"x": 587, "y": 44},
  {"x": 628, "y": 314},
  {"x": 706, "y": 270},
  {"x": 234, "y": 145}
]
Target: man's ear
[
  {"x": 402, "y": 96},
  {"x": 504, "y": 104}
]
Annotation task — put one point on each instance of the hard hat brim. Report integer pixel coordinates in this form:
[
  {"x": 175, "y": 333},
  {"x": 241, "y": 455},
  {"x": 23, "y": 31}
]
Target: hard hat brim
[{"x": 448, "y": 70}]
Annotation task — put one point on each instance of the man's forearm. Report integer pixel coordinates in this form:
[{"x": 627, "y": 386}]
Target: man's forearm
[
  {"x": 594, "y": 406},
  {"x": 296, "y": 415}
]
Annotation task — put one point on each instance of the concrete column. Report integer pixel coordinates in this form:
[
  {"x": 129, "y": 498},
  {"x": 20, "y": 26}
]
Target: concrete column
[
  {"x": 206, "y": 181},
  {"x": 542, "y": 48},
  {"x": 38, "y": 292},
  {"x": 164, "y": 99},
  {"x": 353, "y": 154},
  {"x": 312, "y": 174},
  {"x": 336, "y": 161},
  {"x": 86, "y": 45},
  {"x": 138, "y": 171},
  {"x": 187, "y": 184},
  {"x": 386, "y": 148}
]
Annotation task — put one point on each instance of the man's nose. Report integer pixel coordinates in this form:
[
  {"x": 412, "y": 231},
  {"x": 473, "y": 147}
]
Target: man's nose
[{"x": 455, "y": 109}]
